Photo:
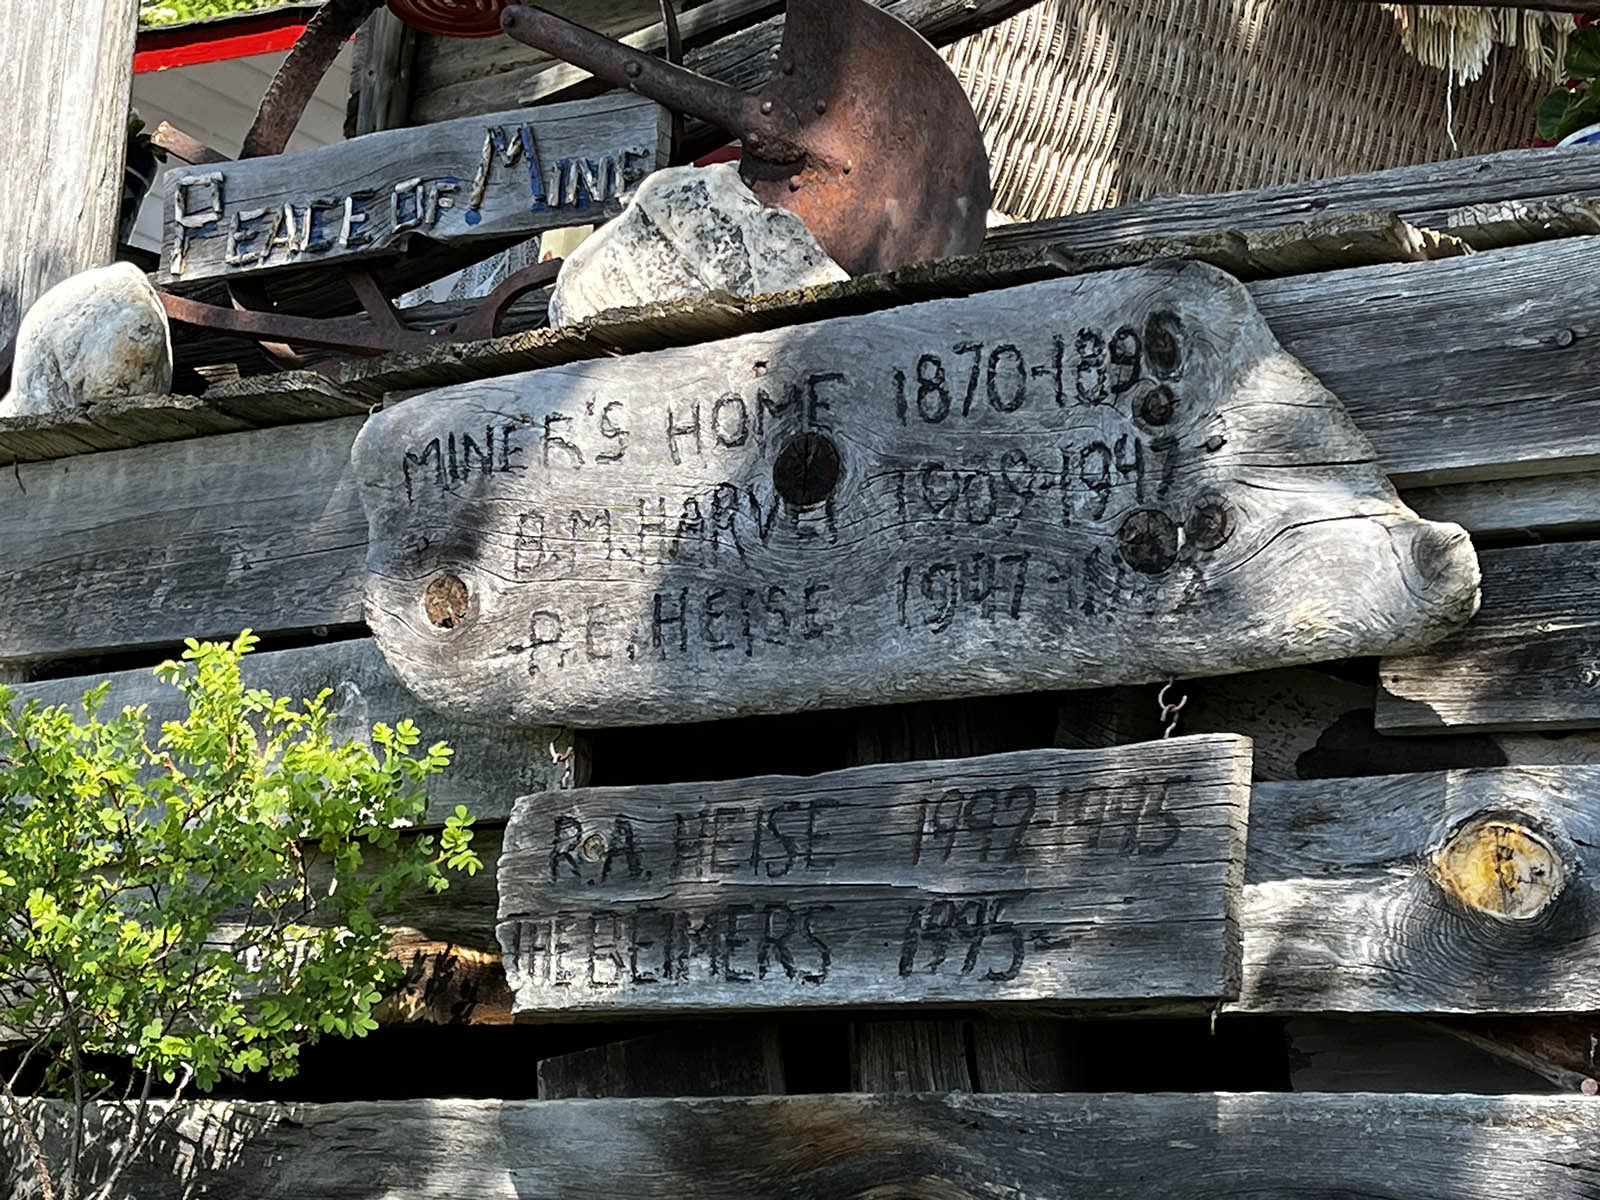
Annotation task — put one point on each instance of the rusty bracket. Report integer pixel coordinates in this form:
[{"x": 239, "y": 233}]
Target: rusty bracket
[{"x": 381, "y": 331}]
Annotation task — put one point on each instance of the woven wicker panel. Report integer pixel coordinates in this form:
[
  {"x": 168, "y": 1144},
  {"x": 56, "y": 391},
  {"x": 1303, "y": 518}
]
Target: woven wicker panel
[{"x": 1088, "y": 103}]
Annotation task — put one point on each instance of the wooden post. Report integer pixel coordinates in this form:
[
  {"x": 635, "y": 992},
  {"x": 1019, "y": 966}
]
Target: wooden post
[
  {"x": 66, "y": 73},
  {"x": 385, "y": 47}
]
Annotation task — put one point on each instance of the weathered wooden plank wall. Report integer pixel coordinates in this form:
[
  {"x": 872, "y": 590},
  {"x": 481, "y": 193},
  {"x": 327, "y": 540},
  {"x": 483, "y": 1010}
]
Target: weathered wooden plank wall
[
  {"x": 68, "y": 69},
  {"x": 1366, "y": 895},
  {"x": 1435, "y": 195},
  {"x": 1529, "y": 660},
  {"x": 1120, "y": 1147},
  {"x": 492, "y": 766}
]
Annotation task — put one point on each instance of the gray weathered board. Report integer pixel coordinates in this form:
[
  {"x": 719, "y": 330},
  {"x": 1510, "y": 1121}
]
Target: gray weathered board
[
  {"x": 1531, "y": 660},
  {"x": 1103, "y": 479},
  {"x": 1044, "y": 875},
  {"x": 1444, "y": 892},
  {"x": 478, "y": 179},
  {"x": 931, "y": 1147},
  {"x": 64, "y": 74},
  {"x": 1349, "y": 903},
  {"x": 490, "y": 768}
]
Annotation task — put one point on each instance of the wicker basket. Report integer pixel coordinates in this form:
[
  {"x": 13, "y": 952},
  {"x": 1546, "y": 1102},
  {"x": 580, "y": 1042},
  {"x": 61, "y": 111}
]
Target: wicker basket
[{"x": 1089, "y": 103}]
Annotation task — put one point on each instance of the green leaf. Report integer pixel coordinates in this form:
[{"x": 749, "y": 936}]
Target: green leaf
[{"x": 1583, "y": 53}]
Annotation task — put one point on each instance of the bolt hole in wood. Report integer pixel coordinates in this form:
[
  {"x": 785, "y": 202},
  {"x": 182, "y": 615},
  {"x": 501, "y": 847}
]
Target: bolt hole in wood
[
  {"x": 1500, "y": 867},
  {"x": 445, "y": 601},
  {"x": 806, "y": 470}
]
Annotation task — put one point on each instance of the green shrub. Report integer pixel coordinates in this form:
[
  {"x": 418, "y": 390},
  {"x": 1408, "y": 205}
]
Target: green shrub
[{"x": 202, "y": 904}]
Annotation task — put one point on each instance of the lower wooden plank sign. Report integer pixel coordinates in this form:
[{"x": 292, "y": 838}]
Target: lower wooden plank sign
[
  {"x": 1107, "y": 479},
  {"x": 1045, "y": 875},
  {"x": 487, "y": 178}
]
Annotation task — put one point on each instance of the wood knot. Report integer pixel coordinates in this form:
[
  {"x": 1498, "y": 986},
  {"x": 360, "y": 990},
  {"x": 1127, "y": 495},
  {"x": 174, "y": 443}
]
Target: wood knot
[
  {"x": 1500, "y": 867},
  {"x": 806, "y": 470},
  {"x": 445, "y": 601}
]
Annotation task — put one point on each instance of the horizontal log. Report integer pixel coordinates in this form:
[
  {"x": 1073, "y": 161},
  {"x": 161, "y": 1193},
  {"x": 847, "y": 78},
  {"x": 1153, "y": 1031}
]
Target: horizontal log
[
  {"x": 202, "y": 538},
  {"x": 1119, "y": 1147},
  {"x": 1114, "y": 478},
  {"x": 1518, "y": 404},
  {"x": 490, "y": 765},
  {"x": 1438, "y": 195},
  {"x": 1538, "y": 507},
  {"x": 1308, "y": 724},
  {"x": 251, "y": 403},
  {"x": 1443, "y": 892},
  {"x": 1530, "y": 659},
  {"x": 462, "y": 184},
  {"x": 1049, "y": 875},
  {"x": 1449, "y": 892}
]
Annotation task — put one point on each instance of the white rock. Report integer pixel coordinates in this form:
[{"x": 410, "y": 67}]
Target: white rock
[
  {"x": 97, "y": 335},
  {"x": 689, "y": 231}
]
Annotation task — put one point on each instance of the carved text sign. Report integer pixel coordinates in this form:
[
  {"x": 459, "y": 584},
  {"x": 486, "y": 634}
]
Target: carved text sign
[
  {"x": 474, "y": 179},
  {"x": 1107, "y": 479},
  {"x": 1066, "y": 875}
]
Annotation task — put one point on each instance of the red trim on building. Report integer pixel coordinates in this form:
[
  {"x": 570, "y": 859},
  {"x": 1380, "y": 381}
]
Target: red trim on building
[{"x": 267, "y": 32}]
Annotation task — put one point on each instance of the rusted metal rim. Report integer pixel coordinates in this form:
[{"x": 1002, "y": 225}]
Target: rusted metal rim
[
  {"x": 864, "y": 133},
  {"x": 451, "y": 18}
]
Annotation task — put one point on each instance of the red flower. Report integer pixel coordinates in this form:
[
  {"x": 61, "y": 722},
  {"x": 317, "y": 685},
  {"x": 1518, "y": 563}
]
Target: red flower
[
  {"x": 1539, "y": 143},
  {"x": 1583, "y": 20}
]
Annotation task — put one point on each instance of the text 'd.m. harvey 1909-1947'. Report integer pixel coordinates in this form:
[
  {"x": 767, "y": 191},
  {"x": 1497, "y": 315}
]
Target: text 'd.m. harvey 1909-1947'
[{"x": 1107, "y": 479}]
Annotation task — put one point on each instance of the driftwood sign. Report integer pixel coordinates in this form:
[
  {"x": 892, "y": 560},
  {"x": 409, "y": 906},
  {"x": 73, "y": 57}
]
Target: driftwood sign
[
  {"x": 1107, "y": 479},
  {"x": 472, "y": 180},
  {"x": 1064, "y": 875}
]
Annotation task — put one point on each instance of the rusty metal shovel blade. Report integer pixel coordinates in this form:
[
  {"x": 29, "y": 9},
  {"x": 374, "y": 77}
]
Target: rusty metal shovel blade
[{"x": 863, "y": 132}]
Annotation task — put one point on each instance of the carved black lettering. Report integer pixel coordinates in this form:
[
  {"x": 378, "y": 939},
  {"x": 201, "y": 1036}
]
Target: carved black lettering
[
  {"x": 681, "y": 429},
  {"x": 1091, "y": 369},
  {"x": 724, "y": 510},
  {"x": 938, "y": 821},
  {"x": 553, "y": 441},
  {"x": 814, "y": 625},
  {"x": 612, "y": 431},
  {"x": 730, "y": 420},
  {"x": 564, "y": 842},
  {"x": 661, "y": 618},
  {"x": 606, "y": 939},
  {"x": 815, "y": 836},
  {"x": 1053, "y": 369},
  {"x": 732, "y": 940},
  {"x": 622, "y": 844},
  {"x": 775, "y": 940},
  {"x": 973, "y": 375},
  {"x": 816, "y": 404},
  {"x": 712, "y": 614},
  {"x": 941, "y": 589},
  {"x": 931, "y": 382},
  {"x": 1125, "y": 355},
  {"x": 431, "y": 450},
  {"x": 1006, "y": 379}
]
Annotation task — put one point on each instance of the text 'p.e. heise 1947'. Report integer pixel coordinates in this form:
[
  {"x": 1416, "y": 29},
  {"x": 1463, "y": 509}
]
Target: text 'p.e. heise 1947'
[
  {"x": 1108, "y": 479},
  {"x": 1041, "y": 875}
]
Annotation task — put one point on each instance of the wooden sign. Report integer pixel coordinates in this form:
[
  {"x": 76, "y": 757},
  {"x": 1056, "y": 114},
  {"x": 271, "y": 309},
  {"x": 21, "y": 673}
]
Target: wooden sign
[
  {"x": 1107, "y": 479},
  {"x": 477, "y": 179},
  {"x": 1063, "y": 875}
]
